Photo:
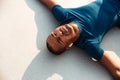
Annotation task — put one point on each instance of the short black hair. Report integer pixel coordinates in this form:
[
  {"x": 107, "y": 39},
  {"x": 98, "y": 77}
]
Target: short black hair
[{"x": 53, "y": 52}]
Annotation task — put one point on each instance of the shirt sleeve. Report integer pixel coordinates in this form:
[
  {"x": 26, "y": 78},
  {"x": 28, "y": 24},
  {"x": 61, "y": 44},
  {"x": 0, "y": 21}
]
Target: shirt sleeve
[
  {"x": 94, "y": 51},
  {"x": 59, "y": 13},
  {"x": 118, "y": 21}
]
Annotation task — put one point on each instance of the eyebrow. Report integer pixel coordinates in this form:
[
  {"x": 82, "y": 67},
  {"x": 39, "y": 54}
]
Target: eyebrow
[{"x": 59, "y": 40}]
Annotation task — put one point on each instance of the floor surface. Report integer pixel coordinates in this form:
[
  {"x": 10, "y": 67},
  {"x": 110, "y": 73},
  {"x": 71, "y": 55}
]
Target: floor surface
[{"x": 24, "y": 26}]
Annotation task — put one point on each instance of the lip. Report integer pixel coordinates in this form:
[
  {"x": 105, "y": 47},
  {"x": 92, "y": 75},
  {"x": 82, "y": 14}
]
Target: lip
[
  {"x": 65, "y": 29},
  {"x": 68, "y": 27}
]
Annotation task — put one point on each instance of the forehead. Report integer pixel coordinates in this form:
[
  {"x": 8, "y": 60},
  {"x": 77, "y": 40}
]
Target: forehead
[{"x": 53, "y": 43}]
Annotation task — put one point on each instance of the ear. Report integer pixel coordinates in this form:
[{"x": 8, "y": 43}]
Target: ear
[{"x": 69, "y": 46}]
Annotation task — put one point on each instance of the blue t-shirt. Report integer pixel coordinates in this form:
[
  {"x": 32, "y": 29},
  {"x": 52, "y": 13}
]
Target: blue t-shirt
[{"x": 93, "y": 20}]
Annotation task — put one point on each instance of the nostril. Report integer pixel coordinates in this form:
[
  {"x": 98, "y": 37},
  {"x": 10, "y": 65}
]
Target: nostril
[
  {"x": 52, "y": 34},
  {"x": 55, "y": 34}
]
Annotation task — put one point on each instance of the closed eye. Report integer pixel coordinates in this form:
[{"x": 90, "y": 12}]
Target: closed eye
[{"x": 59, "y": 40}]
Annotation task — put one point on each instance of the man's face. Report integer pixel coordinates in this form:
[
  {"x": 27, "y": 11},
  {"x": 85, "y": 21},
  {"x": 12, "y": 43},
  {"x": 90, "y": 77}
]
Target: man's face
[{"x": 62, "y": 36}]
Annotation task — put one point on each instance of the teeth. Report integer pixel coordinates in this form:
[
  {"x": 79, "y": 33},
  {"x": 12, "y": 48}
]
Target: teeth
[
  {"x": 65, "y": 29},
  {"x": 68, "y": 28}
]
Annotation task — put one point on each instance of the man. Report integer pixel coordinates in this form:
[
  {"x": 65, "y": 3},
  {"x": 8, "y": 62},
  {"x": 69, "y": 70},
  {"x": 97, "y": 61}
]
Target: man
[{"x": 85, "y": 27}]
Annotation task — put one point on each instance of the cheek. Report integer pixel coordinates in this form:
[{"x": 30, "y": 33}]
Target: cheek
[
  {"x": 67, "y": 39},
  {"x": 71, "y": 38}
]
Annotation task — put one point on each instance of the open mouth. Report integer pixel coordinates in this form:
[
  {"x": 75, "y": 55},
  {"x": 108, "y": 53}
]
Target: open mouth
[
  {"x": 65, "y": 29},
  {"x": 68, "y": 28}
]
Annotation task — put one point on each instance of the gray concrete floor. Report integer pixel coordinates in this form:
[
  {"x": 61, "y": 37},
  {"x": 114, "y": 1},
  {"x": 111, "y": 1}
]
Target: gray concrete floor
[{"x": 24, "y": 26}]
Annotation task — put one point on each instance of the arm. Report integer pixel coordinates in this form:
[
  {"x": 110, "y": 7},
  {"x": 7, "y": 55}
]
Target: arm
[
  {"x": 49, "y": 3},
  {"x": 112, "y": 62}
]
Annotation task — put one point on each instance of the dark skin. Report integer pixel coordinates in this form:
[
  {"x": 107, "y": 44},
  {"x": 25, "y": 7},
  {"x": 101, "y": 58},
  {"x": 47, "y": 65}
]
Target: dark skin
[
  {"x": 109, "y": 60},
  {"x": 63, "y": 36}
]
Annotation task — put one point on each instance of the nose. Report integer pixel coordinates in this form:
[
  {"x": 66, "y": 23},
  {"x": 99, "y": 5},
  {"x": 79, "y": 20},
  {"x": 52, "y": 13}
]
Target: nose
[
  {"x": 56, "y": 35},
  {"x": 59, "y": 34}
]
